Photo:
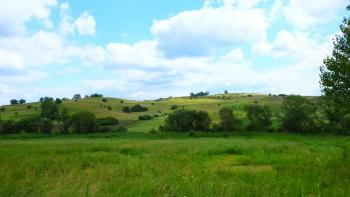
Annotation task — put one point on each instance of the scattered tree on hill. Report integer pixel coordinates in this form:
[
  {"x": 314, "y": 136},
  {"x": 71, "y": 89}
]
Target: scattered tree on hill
[
  {"x": 228, "y": 121},
  {"x": 96, "y": 95},
  {"x": 107, "y": 121},
  {"x": 21, "y": 101},
  {"x": 77, "y": 97},
  {"x": 13, "y": 102},
  {"x": 138, "y": 108},
  {"x": 173, "y": 107},
  {"x": 145, "y": 117},
  {"x": 226, "y": 92},
  {"x": 187, "y": 120},
  {"x": 299, "y": 114},
  {"x": 199, "y": 94},
  {"x": 126, "y": 109},
  {"x": 259, "y": 117},
  {"x": 104, "y": 100},
  {"x": 58, "y": 101},
  {"x": 84, "y": 122},
  {"x": 49, "y": 109}
]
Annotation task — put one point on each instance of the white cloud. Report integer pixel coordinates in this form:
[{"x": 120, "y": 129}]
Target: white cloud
[
  {"x": 14, "y": 13},
  {"x": 305, "y": 14},
  {"x": 240, "y": 4},
  {"x": 199, "y": 32},
  {"x": 85, "y": 24}
]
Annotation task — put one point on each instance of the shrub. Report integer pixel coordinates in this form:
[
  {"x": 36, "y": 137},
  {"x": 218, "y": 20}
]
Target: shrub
[
  {"x": 187, "y": 120},
  {"x": 126, "y": 109},
  {"x": 58, "y": 101},
  {"x": 145, "y": 117},
  {"x": 228, "y": 121},
  {"x": 28, "y": 124},
  {"x": 45, "y": 125},
  {"x": 173, "y": 107},
  {"x": 299, "y": 114},
  {"x": 259, "y": 117},
  {"x": 2, "y": 109},
  {"x": 138, "y": 108},
  {"x": 29, "y": 107},
  {"x": 96, "y": 95},
  {"x": 84, "y": 122},
  {"x": 107, "y": 121},
  {"x": 104, "y": 100},
  {"x": 109, "y": 107}
]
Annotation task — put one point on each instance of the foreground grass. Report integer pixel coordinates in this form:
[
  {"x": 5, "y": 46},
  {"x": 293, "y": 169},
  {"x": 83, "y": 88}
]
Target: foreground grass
[{"x": 140, "y": 164}]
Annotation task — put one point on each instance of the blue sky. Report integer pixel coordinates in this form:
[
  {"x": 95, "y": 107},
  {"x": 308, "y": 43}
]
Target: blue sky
[{"x": 148, "y": 49}]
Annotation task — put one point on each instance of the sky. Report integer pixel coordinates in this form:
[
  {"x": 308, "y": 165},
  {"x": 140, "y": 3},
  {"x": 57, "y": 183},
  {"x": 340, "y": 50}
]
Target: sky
[{"x": 147, "y": 49}]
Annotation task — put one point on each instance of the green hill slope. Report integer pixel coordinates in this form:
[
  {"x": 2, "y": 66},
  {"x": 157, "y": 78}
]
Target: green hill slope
[{"x": 160, "y": 107}]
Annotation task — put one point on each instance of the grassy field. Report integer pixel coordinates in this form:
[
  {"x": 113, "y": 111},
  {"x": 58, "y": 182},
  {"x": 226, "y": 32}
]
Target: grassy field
[{"x": 141, "y": 164}]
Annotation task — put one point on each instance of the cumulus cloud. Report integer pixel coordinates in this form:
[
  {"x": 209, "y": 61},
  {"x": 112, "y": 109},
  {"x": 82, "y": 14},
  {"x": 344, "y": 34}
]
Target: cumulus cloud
[
  {"x": 305, "y": 14},
  {"x": 200, "y": 32},
  {"x": 14, "y": 14},
  {"x": 85, "y": 24}
]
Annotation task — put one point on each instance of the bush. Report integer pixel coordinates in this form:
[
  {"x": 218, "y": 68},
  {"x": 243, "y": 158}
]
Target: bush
[
  {"x": 109, "y": 107},
  {"x": 187, "y": 120},
  {"x": 259, "y": 117},
  {"x": 145, "y": 117},
  {"x": 299, "y": 115},
  {"x": 121, "y": 129},
  {"x": 96, "y": 95},
  {"x": 58, "y": 101},
  {"x": 126, "y": 109},
  {"x": 104, "y": 100},
  {"x": 2, "y": 109},
  {"x": 45, "y": 125},
  {"x": 84, "y": 122},
  {"x": 107, "y": 121},
  {"x": 29, "y": 107},
  {"x": 173, "y": 107},
  {"x": 29, "y": 125},
  {"x": 138, "y": 108},
  {"x": 228, "y": 121}
]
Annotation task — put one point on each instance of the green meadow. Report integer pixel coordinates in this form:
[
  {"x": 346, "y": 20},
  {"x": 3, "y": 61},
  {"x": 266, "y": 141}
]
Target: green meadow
[
  {"x": 141, "y": 164},
  {"x": 144, "y": 163}
]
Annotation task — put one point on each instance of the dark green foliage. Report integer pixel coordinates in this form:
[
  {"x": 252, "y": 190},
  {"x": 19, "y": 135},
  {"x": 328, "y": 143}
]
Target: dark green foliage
[
  {"x": 226, "y": 92},
  {"x": 121, "y": 101},
  {"x": 29, "y": 106},
  {"x": 107, "y": 121},
  {"x": 109, "y": 107},
  {"x": 335, "y": 116},
  {"x": 173, "y": 107},
  {"x": 45, "y": 125},
  {"x": 259, "y": 117},
  {"x": 299, "y": 115},
  {"x": 2, "y": 109},
  {"x": 28, "y": 125},
  {"x": 66, "y": 120},
  {"x": 228, "y": 121},
  {"x": 13, "y": 102},
  {"x": 138, "y": 108},
  {"x": 187, "y": 120},
  {"x": 145, "y": 117},
  {"x": 84, "y": 122},
  {"x": 49, "y": 109},
  {"x": 199, "y": 94},
  {"x": 21, "y": 101},
  {"x": 126, "y": 109},
  {"x": 58, "y": 101},
  {"x": 104, "y": 100},
  {"x": 96, "y": 95},
  {"x": 77, "y": 97},
  {"x": 335, "y": 73}
]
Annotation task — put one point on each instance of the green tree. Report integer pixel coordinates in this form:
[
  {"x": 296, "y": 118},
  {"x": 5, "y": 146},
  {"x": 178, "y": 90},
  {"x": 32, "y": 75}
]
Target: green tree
[
  {"x": 45, "y": 125},
  {"x": 49, "y": 109},
  {"x": 299, "y": 115},
  {"x": 187, "y": 120},
  {"x": 84, "y": 122},
  {"x": 259, "y": 117},
  {"x": 228, "y": 121}
]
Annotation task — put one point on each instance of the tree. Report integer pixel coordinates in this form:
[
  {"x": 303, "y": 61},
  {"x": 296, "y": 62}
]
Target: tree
[
  {"x": 96, "y": 95},
  {"x": 58, "y": 101},
  {"x": 66, "y": 120},
  {"x": 138, "y": 108},
  {"x": 77, "y": 97},
  {"x": 226, "y": 92},
  {"x": 49, "y": 109},
  {"x": 228, "y": 121},
  {"x": 187, "y": 120},
  {"x": 107, "y": 121},
  {"x": 84, "y": 122},
  {"x": 335, "y": 73},
  {"x": 126, "y": 109},
  {"x": 22, "y": 101},
  {"x": 13, "y": 102},
  {"x": 259, "y": 117},
  {"x": 299, "y": 114},
  {"x": 45, "y": 125}
]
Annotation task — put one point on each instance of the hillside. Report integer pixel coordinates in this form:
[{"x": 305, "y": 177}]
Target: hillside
[{"x": 160, "y": 107}]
